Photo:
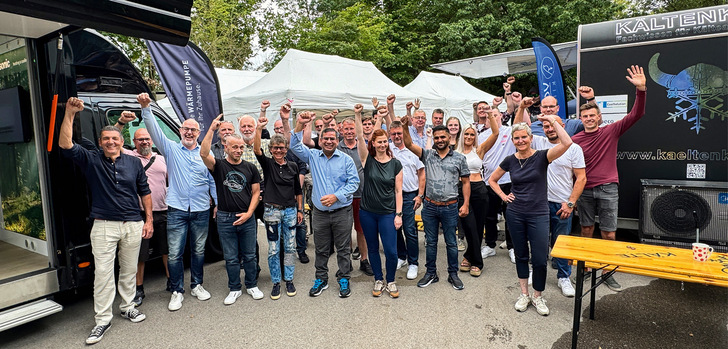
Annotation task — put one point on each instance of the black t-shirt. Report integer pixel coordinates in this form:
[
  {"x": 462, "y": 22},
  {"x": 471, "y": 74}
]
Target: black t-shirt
[
  {"x": 234, "y": 184},
  {"x": 378, "y": 195},
  {"x": 281, "y": 181},
  {"x": 528, "y": 182}
]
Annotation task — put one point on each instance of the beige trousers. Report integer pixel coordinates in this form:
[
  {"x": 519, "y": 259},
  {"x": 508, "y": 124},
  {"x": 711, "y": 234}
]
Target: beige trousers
[{"x": 106, "y": 237}]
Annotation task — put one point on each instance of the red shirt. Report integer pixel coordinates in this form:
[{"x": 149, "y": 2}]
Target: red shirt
[{"x": 600, "y": 146}]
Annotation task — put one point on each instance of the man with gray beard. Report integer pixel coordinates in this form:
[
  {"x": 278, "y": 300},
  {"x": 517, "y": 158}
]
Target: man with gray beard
[{"x": 156, "y": 169}]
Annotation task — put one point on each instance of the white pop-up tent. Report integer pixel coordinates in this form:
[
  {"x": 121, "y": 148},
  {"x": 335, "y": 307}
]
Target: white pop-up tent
[
  {"x": 316, "y": 81},
  {"x": 459, "y": 95},
  {"x": 230, "y": 80}
]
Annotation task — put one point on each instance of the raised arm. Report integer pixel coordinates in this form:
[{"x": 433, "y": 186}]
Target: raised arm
[
  {"x": 297, "y": 147},
  {"x": 521, "y": 111},
  {"x": 263, "y": 108},
  {"x": 390, "y": 110},
  {"x": 407, "y": 138},
  {"x": 409, "y": 106},
  {"x": 125, "y": 118},
  {"x": 262, "y": 123},
  {"x": 360, "y": 134},
  {"x": 564, "y": 139},
  {"x": 490, "y": 141},
  {"x": 285, "y": 114},
  {"x": 205, "y": 154},
  {"x": 155, "y": 132},
  {"x": 65, "y": 137}
]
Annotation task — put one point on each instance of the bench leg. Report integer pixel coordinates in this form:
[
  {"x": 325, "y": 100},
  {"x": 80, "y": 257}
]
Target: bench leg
[
  {"x": 577, "y": 303},
  {"x": 593, "y": 295}
]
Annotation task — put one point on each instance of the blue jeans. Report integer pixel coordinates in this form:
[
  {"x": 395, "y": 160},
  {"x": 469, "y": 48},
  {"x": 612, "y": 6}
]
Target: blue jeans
[
  {"x": 407, "y": 247},
  {"x": 376, "y": 226},
  {"x": 432, "y": 217},
  {"x": 179, "y": 223},
  {"x": 284, "y": 228},
  {"x": 559, "y": 227},
  {"x": 530, "y": 229},
  {"x": 237, "y": 240}
]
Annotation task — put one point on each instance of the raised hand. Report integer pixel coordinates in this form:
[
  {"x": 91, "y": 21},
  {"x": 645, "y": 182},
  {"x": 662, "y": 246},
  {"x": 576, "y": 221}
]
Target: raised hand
[
  {"x": 506, "y": 87},
  {"x": 404, "y": 121},
  {"x": 127, "y": 117},
  {"x": 637, "y": 77},
  {"x": 334, "y": 112},
  {"x": 144, "y": 100},
  {"x": 304, "y": 118},
  {"x": 390, "y": 99},
  {"x": 511, "y": 79},
  {"x": 358, "y": 108},
  {"x": 527, "y": 102},
  {"x": 215, "y": 124},
  {"x": 74, "y": 105},
  {"x": 409, "y": 106},
  {"x": 375, "y": 102},
  {"x": 417, "y": 103},
  {"x": 497, "y": 101},
  {"x": 262, "y": 122},
  {"x": 586, "y": 92},
  {"x": 549, "y": 118},
  {"x": 264, "y": 105},
  {"x": 285, "y": 111}
]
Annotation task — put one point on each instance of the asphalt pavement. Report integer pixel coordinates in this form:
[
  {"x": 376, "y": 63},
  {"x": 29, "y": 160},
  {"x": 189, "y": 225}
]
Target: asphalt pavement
[{"x": 649, "y": 313}]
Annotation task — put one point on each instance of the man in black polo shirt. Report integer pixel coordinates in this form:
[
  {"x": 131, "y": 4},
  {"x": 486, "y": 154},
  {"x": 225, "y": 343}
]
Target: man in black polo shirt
[
  {"x": 238, "y": 191},
  {"x": 116, "y": 181}
]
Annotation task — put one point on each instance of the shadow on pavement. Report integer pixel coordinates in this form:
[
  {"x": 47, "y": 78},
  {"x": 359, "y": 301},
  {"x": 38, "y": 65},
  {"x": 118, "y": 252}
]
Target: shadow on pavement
[{"x": 659, "y": 315}]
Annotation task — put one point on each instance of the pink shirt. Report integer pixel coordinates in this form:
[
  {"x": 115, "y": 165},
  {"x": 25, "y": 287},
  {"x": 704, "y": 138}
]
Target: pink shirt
[
  {"x": 600, "y": 146},
  {"x": 156, "y": 178}
]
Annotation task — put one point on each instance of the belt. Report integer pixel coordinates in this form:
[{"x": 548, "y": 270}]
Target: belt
[
  {"x": 331, "y": 211},
  {"x": 441, "y": 203},
  {"x": 278, "y": 207}
]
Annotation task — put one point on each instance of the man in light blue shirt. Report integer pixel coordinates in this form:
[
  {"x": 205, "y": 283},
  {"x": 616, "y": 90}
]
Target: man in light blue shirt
[
  {"x": 188, "y": 199},
  {"x": 335, "y": 179}
]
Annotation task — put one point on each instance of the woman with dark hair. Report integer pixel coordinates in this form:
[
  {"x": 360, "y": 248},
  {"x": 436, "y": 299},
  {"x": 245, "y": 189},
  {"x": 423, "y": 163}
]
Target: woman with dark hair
[
  {"x": 527, "y": 214},
  {"x": 381, "y": 204}
]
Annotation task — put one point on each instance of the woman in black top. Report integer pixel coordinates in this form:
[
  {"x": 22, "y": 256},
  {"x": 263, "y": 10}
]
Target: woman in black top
[
  {"x": 381, "y": 204},
  {"x": 527, "y": 214}
]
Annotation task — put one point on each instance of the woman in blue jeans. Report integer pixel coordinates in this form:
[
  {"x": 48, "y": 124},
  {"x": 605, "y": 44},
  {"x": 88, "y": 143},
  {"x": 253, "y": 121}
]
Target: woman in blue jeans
[
  {"x": 381, "y": 202},
  {"x": 527, "y": 214}
]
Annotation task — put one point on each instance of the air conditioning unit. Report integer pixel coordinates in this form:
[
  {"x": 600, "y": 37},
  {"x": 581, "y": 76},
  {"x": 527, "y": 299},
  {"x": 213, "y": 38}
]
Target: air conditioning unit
[{"x": 673, "y": 210}]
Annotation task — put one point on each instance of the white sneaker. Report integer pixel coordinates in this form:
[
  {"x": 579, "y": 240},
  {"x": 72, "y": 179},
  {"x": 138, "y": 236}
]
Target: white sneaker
[
  {"x": 512, "y": 254},
  {"x": 566, "y": 288},
  {"x": 256, "y": 293},
  {"x": 487, "y": 251},
  {"x": 200, "y": 292},
  {"x": 530, "y": 277},
  {"x": 522, "y": 302},
  {"x": 412, "y": 272},
  {"x": 176, "y": 301},
  {"x": 401, "y": 263},
  {"x": 540, "y": 305},
  {"x": 232, "y": 297}
]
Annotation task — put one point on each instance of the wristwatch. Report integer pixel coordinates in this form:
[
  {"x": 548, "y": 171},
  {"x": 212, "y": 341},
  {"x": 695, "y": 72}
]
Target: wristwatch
[
  {"x": 422, "y": 197},
  {"x": 570, "y": 204},
  {"x": 398, "y": 214}
]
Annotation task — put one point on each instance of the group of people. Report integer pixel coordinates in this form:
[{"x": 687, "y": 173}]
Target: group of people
[{"x": 371, "y": 173}]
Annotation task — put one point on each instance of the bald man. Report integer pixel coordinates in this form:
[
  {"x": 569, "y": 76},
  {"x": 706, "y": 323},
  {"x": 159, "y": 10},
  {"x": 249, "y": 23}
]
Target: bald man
[
  {"x": 188, "y": 201},
  {"x": 549, "y": 106}
]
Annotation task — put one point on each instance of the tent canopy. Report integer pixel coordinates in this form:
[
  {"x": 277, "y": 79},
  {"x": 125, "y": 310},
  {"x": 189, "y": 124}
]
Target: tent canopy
[
  {"x": 459, "y": 95},
  {"x": 316, "y": 81},
  {"x": 507, "y": 63}
]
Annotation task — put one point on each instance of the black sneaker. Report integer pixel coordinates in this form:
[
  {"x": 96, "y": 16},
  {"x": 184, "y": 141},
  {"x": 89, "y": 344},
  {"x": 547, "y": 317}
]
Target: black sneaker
[
  {"x": 344, "y": 290},
  {"x": 454, "y": 280},
  {"x": 303, "y": 258},
  {"x": 355, "y": 255},
  {"x": 133, "y": 315},
  {"x": 97, "y": 333},
  {"x": 366, "y": 268},
  {"x": 318, "y": 287},
  {"x": 138, "y": 298},
  {"x": 428, "y": 279},
  {"x": 290, "y": 289},
  {"x": 613, "y": 284},
  {"x": 276, "y": 292}
]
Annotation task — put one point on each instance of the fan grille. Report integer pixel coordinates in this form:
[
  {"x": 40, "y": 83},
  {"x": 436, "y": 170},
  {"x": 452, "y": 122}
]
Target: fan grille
[{"x": 672, "y": 212}]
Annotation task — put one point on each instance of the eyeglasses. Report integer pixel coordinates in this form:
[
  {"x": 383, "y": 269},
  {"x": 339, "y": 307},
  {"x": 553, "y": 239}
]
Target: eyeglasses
[
  {"x": 279, "y": 148},
  {"x": 143, "y": 139},
  {"x": 189, "y": 129}
]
